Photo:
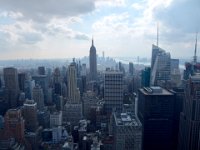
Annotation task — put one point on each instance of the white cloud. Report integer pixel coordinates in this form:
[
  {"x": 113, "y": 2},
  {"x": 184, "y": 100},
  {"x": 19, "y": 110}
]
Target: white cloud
[
  {"x": 112, "y": 3},
  {"x": 113, "y": 23},
  {"x": 63, "y": 22},
  {"x": 30, "y": 37},
  {"x": 138, "y": 6},
  {"x": 45, "y": 10},
  {"x": 11, "y": 14},
  {"x": 181, "y": 14}
]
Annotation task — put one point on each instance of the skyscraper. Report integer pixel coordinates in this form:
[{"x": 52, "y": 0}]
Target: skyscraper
[
  {"x": 189, "y": 133},
  {"x": 113, "y": 91},
  {"x": 131, "y": 68},
  {"x": 28, "y": 87},
  {"x": 127, "y": 131},
  {"x": 38, "y": 97},
  {"x": 11, "y": 86},
  {"x": 42, "y": 80},
  {"x": 192, "y": 67},
  {"x": 160, "y": 65},
  {"x": 146, "y": 73},
  {"x": 93, "y": 62},
  {"x": 56, "y": 119},
  {"x": 30, "y": 115},
  {"x": 41, "y": 70},
  {"x": 21, "y": 79},
  {"x": 14, "y": 125},
  {"x": 156, "y": 113},
  {"x": 57, "y": 81},
  {"x": 72, "y": 111},
  {"x": 174, "y": 64},
  {"x": 73, "y": 91}
]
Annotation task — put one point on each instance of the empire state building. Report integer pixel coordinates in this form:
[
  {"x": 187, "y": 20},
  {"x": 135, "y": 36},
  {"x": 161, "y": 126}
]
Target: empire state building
[{"x": 93, "y": 62}]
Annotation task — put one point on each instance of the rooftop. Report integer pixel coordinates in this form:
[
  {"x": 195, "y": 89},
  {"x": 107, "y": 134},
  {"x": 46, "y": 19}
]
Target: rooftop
[
  {"x": 113, "y": 72},
  {"x": 155, "y": 90},
  {"x": 30, "y": 103},
  {"x": 196, "y": 77},
  {"x": 126, "y": 119}
]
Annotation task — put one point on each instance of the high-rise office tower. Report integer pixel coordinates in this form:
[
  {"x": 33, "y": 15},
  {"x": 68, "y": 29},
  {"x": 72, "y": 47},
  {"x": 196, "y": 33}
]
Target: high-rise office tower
[
  {"x": 57, "y": 76},
  {"x": 83, "y": 79},
  {"x": 131, "y": 68},
  {"x": 38, "y": 97},
  {"x": 1, "y": 82},
  {"x": 72, "y": 111},
  {"x": 192, "y": 67},
  {"x": 41, "y": 70},
  {"x": 155, "y": 52},
  {"x": 14, "y": 125},
  {"x": 73, "y": 91},
  {"x": 56, "y": 119},
  {"x": 58, "y": 101},
  {"x": 42, "y": 80},
  {"x": 180, "y": 94},
  {"x": 21, "y": 80},
  {"x": 93, "y": 62},
  {"x": 89, "y": 100},
  {"x": 57, "y": 82},
  {"x": 160, "y": 65},
  {"x": 189, "y": 133},
  {"x": 113, "y": 91},
  {"x": 11, "y": 86},
  {"x": 30, "y": 115},
  {"x": 127, "y": 131},
  {"x": 174, "y": 64},
  {"x": 156, "y": 113},
  {"x": 121, "y": 68},
  {"x": 146, "y": 73},
  {"x": 28, "y": 87}
]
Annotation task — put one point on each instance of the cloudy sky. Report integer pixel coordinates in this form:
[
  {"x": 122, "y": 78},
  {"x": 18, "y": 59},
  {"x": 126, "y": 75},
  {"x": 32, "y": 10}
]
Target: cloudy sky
[{"x": 125, "y": 28}]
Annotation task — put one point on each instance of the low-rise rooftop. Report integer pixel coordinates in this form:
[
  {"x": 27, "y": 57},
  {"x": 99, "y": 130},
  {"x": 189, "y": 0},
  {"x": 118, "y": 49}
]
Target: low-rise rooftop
[
  {"x": 155, "y": 90},
  {"x": 126, "y": 119}
]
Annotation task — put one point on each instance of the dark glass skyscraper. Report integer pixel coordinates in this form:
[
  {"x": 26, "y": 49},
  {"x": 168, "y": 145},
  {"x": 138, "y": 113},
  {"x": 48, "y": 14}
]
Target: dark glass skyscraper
[
  {"x": 146, "y": 73},
  {"x": 189, "y": 133},
  {"x": 14, "y": 125},
  {"x": 93, "y": 62},
  {"x": 29, "y": 112},
  {"x": 156, "y": 113},
  {"x": 11, "y": 86}
]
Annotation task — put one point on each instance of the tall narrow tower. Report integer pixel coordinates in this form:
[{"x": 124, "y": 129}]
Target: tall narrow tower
[
  {"x": 11, "y": 86},
  {"x": 113, "y": 91},
  {"x": 38, "y": 97},
  {"x": 14, "y": 124},
  {"x": 195, "y": 51},
  {"x": 189, "y": 135},
  {"x": 93, "y": 62},
  {"x": 73, "y": 91}
]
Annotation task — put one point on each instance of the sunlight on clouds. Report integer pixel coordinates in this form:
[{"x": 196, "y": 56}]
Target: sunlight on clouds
[
  {"x": 108, "y": 23},
  {"x": 146, "y": 23},
  {"x": 114, "y": 3},
  {"x": 11, "y": 14},
  {"x": 138, "y": 6},
  {"x": 121, "y": 27}
]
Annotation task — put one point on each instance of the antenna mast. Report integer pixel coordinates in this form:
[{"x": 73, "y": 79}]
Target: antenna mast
[
  {"x": 157, "y": 34},
  {"x": 195, "y": 51}
]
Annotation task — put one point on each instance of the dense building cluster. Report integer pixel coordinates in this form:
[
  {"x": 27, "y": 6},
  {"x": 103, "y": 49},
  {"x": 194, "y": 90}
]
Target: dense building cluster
[{"x": 102, "y": 105}]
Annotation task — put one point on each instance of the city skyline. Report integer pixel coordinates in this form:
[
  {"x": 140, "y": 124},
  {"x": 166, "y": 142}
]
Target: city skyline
[{"x": 124, "y": 28}]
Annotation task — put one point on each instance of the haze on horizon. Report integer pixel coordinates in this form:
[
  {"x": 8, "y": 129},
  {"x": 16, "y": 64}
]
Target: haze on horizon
[{"x": 126, "y": 28}]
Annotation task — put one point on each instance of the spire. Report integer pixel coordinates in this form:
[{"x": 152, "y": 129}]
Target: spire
[
  {"x": 92, "y": 42},
  {"x": 195, "y": 51},
  {"x": 157, "y": 34}
]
